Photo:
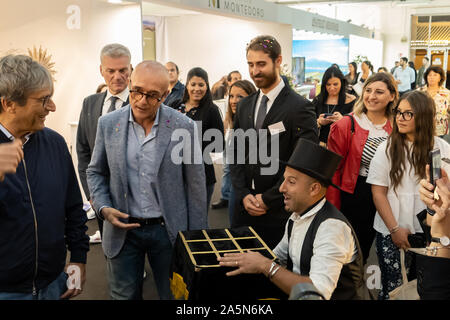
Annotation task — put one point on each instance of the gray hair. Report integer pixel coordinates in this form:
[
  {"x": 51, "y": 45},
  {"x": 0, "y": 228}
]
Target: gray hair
[
  {"x": 115, "y": 50},
  {"x": 20, "y": 76}
]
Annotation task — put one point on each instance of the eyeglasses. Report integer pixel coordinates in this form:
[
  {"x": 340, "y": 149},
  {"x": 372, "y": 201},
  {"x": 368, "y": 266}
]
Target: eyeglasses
[
  {"x": 45, "y": 100},
  {"x": 407, "y": 115},
  {"x": 151, "y": 98}
]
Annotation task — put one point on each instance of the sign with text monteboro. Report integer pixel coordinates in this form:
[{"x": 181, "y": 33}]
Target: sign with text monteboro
[
  {"x": 269, "y": 11},
  {"x": 246, "y": 8}
]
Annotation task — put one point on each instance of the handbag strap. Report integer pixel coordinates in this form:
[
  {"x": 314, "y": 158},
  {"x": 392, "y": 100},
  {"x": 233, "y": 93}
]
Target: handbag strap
[{"x": 403, "y": 266}]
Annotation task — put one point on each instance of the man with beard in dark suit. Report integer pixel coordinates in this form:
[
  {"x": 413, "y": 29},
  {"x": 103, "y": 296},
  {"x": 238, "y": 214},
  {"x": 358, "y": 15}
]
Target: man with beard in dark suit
[
  {"x": 115, "y": 68},
  {"x": 283, "y": 117}
]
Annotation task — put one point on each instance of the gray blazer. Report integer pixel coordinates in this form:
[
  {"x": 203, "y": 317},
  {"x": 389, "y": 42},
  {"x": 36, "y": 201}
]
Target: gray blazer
[
  {"x": 87, "y": 128},
  {"x": 180, "y": 188}
]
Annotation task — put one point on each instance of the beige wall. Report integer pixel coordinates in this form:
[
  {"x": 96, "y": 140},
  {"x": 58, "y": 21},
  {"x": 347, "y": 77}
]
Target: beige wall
[
  {"x": 75, "y": 52},
  {"x": 217, "y": 43}
]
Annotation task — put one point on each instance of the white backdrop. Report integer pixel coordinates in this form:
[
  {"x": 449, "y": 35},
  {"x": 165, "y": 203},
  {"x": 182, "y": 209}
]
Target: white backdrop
[{"x": 372, "y": 49}]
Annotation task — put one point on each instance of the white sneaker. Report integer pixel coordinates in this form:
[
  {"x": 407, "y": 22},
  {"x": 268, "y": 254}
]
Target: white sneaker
[
  {"x": 90, "y": 214},
  {"x": 95, "y": 238}
]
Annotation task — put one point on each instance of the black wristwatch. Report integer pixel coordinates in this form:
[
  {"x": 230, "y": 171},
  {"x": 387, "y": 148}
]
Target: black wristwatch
[{"x": 445, "y": 241}]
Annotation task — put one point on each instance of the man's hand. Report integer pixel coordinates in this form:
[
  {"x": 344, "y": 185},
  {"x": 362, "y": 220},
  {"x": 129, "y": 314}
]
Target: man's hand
[
  {"x": 252, "y": 205},
  {"x": 10, "y": 156},
  {"x": 113, "y": 216},
  {"x": 248, "y": 262},
  {"x": 76, "y": 280}
]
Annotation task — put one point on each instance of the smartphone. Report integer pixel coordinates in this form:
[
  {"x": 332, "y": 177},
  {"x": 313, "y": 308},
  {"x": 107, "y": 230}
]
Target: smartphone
[
  {"x": 435, "y": 166},
  {"x": 325, "y": 115}
]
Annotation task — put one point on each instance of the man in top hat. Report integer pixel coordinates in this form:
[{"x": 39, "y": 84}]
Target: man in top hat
[{"x": 319, "y": 246}]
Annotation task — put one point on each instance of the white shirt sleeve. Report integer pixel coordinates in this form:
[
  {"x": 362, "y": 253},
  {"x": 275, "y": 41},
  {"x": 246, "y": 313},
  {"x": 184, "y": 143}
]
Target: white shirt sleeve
[
  {"x": 334, "y": 246},
  {"x": 379, "y": 167},
  {"x": 413, "y": 75},
  {"x": 281, "y": 250}
]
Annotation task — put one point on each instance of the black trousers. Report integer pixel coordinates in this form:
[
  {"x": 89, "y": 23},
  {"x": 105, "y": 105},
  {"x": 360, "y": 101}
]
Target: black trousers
[{"x": 360, "y": 211}]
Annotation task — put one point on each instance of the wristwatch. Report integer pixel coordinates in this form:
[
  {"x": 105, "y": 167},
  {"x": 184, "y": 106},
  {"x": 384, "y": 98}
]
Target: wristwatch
[{"x": 445, "y": 241}]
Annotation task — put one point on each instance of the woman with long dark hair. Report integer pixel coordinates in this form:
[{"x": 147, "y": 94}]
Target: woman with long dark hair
[
  {"x": 395, "y": 171},
  {"x": 238, "y": 90},
  {"x": 352, "y": 77},
  {"x": 356, "y": 139},
  {"x": 198, "y": 105},
  {"x": 332, "y": 102}
]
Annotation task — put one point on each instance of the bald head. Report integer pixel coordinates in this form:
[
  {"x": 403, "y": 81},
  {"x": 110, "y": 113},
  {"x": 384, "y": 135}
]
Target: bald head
[{"x": 154, "y": 70}]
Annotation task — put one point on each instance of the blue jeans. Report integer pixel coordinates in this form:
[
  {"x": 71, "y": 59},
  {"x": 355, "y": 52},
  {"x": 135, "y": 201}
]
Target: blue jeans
[
  {"x": 226, "y": 182},
  {"x": 209, "y": 193},
  {"x": 52, "y": 292},
  {"x": 126, "y": 270}
]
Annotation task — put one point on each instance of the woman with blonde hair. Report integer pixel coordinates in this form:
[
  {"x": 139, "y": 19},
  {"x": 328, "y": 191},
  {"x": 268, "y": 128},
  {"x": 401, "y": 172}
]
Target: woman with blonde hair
[{"x": 356, "y": 138}]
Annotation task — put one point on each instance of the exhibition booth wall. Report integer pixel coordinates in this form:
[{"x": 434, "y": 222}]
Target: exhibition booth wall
[
  {"x": 215, "y": 43},
  {"x": 73, "y": 33}
]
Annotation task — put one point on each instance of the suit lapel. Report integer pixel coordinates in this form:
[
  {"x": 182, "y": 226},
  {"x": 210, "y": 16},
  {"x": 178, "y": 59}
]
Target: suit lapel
[
  {"x": 120, "y": 132},
  {"x": 165, "y": 128},
  {"x": 96, "y": 111},
  {"x": 250, "y": 116},
  {"x": 274, "y": 109}
]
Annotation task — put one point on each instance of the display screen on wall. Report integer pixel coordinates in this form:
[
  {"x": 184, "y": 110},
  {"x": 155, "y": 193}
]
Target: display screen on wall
[{"x": 319, "y": 55}]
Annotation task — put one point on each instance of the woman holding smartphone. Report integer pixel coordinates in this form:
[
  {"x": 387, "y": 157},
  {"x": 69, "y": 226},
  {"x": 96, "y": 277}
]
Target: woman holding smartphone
[
  {"x": 395, "y": 171},
  {"x": 332, "y": 102}
]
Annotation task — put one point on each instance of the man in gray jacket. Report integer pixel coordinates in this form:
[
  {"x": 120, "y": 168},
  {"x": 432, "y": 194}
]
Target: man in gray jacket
[
  {"x": 115, "y": 68},
  {"x": 138, "y": 184}
]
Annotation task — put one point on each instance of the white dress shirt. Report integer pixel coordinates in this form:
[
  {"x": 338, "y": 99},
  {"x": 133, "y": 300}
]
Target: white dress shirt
[
  {"x": 123, "y": 96},
  {"x": 271, "y": 95},
  {"x": 333, "y": 247}
]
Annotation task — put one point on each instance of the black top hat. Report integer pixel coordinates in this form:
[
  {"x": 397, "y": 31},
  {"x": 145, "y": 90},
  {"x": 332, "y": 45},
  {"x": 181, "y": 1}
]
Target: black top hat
[{"x": 314, "y": 161}]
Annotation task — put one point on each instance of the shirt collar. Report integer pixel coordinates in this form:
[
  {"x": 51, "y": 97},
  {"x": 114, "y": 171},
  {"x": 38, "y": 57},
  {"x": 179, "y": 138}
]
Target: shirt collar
[
  {"x": 10, "y": 136},
  {"x": 122, "y": 95},
  {"x": 308, "y": 213},
  {"x": 155, "y": 123},
  {"x": 273, "y": 94}
]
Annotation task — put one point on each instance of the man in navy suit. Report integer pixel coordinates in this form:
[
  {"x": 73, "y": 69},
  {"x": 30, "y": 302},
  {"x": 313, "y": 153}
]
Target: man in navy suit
[
  {"x": 115, "y": 68},
  {"x": 284, "y": 117}
]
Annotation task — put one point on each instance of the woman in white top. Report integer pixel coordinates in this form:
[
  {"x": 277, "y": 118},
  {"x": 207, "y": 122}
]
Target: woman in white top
[
  {"x": 395, "y": 171},
  {"x": 367, "y": 71}
]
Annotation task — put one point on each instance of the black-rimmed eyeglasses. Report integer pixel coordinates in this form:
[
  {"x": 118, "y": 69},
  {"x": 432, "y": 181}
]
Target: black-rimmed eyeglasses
[
  {"x": 407, "y": 115},
  {"x": 149, "y": 97}
]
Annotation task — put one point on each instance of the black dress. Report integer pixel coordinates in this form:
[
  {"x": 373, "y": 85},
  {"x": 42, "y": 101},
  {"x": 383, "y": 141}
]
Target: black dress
[
  {"x": 210, "y": 118},
  {"x": 330, "y": 108}
]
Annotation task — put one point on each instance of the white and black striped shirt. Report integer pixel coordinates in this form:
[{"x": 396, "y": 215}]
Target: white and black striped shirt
[{"x": 370, "y": 147}]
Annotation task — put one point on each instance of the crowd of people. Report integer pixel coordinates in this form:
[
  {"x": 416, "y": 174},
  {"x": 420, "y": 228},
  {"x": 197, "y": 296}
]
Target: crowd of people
[{"x": 346, "y": 169}]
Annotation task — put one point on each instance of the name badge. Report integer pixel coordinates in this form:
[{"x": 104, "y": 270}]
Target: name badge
[{"x": 277, "y": 128}]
